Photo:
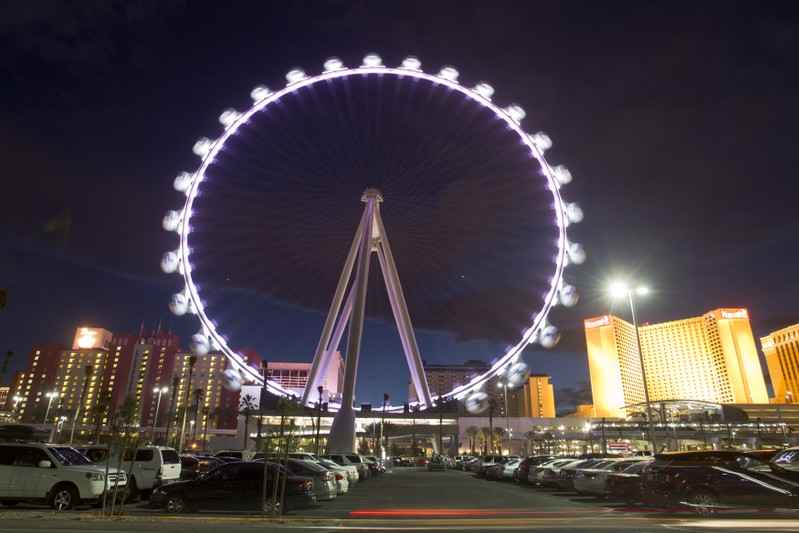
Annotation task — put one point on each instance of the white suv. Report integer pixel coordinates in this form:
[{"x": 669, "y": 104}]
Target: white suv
[
  {"x": 56, "y": 475},
  {"x": 151, "y": 467}
]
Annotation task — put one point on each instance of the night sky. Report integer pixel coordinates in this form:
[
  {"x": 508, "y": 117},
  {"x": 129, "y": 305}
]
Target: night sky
[{"x": 678, "y": 121}]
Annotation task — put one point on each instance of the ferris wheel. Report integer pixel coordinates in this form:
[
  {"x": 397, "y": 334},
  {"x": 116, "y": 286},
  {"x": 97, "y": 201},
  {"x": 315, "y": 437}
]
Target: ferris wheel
[{"x": 296, "y": 154}]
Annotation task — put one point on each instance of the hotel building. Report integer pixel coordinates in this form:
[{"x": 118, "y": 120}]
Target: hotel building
[
  {"x": 535, "y": 398},
  {"x": 711, "y": 358},
  {"x": 781, "y": 349}
]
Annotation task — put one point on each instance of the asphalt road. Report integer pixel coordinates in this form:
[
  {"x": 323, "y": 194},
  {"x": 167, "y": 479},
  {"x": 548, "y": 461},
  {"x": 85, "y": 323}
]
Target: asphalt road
[{"x": 409, "y": 499}]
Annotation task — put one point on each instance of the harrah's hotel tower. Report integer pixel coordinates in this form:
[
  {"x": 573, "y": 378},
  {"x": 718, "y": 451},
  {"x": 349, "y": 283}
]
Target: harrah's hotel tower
[{"x": 711, "y": 358}]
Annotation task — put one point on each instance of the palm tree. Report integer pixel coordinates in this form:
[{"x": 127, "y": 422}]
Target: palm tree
[
  {"x": 487, "y": 434},
  {"x": 175, "y": 383},
  {"x": 247, "y": 406},
  {"x": 89, "y": 372},
  {"x": 388, "y": 429},
  {"x": 472, "y": 433},
  {"x": 498, "y": 435},
  {"x": 198, "y": 395},
  {"x": 99, "y": 411},
  {"x": 9, "y": 354},
  {"x": 531, "y": 438},
  {"x": 192, "y": 362}
]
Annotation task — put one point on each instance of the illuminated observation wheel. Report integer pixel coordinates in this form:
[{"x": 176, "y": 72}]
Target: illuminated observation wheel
[{"x": 365, "y": 127}]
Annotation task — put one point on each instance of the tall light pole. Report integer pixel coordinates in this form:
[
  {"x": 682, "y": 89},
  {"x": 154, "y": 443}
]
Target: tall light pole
[
  {"x": 50, "y": 395},
  {"x": 319, "y": 389},
  {"x": 160, "y": 391},
  {"x": 622, "y": 290},
  {"x": 504, "y": 384},
  {"x": 382, "y": 423}
]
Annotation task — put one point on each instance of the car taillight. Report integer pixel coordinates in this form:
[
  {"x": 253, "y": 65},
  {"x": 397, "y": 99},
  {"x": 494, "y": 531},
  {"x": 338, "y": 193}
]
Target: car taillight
[
  {"x": 306, "y": 485},
  {"x": 160, "y": 473},
  {"x": 339, "y": 477}
]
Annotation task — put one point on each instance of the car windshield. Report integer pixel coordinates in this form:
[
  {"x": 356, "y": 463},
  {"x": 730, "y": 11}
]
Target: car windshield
[{"x": 69, "y": 456}]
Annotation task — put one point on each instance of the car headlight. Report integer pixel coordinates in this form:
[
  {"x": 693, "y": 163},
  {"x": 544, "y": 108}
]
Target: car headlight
[
  {"x": 159, "y": 491},
  {"x": 94, "y": 476}
]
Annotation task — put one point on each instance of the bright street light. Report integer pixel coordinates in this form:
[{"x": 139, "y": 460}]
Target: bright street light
[
  {"x": 160, "y": 391},
  {"x": 505, "y": 385},
  {"x": 620, "y": 290},
  {"x": 50, "y": 395}
]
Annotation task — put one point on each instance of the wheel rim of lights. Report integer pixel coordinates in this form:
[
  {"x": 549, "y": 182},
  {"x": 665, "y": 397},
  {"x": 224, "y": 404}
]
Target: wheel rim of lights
[{"x": 559, "y": 293}]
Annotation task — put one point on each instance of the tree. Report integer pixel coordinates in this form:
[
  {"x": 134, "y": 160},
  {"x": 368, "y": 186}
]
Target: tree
[
  {"x": 531, "y": 438},
  {"x": 487, "y": 434},
  {"x": 89, "y": 371},
  {"x": 247, "y": 406},
  {"x": 99, "y": 411},
  {"x": 497, "y": 435},
  {"x": 198, "y": 396},
  {"x": 192, "y": 362},
  {"x": 472, "y": 432},
  {"x": 175, "y": 383},
  {"x": 9, "y": 353}
]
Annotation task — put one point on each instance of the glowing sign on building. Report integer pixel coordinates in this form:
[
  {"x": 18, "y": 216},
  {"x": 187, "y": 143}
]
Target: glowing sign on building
[
  {"x": 597, "y": 322},
  {"x": 734, "y": 313},
  {"x": 91, "y": 338}
]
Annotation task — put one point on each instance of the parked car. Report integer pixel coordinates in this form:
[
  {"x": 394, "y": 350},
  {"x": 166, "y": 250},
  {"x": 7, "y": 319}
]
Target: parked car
[
  {"x": 550, "y": 472},
  {"x": 341, "y": 474},
  {"x": 626, "y": 485},
  {"x": 23, "y": 433},
  {"x": 537, "y": 472},
  {"x": 505, "y": 470},
  {"x": 437, "y": 462},
  {"x": 236, "y": 486},
  {"x": 460, "y": 460},
  {"x": 707, "y": 481},
  {"x": 351, "y": 459},
  {"x": 592, "y": 480},
  {"x": 522, "y": 471},
  {"x": 786, "y": 463},
  {"x": 324, "y": 480},
  {"x": 484, "y": 462},
  {"x": 236, "y": 455},
  {"x": 567, "y": 472},
  {"x": 374, "y": 464},
  {"x": 56, "y": 475},
  {"x": 147, "y": 467},
  {"x": 194, "y": 466},
  {"x": 351, "y": 471}
]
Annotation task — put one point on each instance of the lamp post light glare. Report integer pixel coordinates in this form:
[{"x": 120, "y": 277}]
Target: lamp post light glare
[
  {"x": 620, "y": 290},
  {"x": 505, "y": 385},
  {"x": 160, "y": 391},
  {"x": 51, "y": 396}
]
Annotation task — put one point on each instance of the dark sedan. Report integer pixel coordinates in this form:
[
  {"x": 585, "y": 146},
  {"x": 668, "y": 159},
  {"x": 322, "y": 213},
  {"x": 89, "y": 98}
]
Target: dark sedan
[
  {"x": 707, "y": 481},
  {"x": 234, "y": 486},
  {"x": 626, "y": 485}
]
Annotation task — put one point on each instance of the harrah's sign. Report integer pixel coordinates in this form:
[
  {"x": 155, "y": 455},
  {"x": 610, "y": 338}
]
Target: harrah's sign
[
  {"x": 597, "y": 322},
  {"x": 734, "y": 313}
]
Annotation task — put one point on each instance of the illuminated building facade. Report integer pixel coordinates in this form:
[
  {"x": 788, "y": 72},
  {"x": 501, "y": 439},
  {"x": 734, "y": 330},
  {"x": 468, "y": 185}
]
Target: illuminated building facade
[
  {"x": 535, "y": 398},
  {"x": 294, "y": 376},
  {"x": 712, "y": 358},
  {"x": 781, "y": 349}
]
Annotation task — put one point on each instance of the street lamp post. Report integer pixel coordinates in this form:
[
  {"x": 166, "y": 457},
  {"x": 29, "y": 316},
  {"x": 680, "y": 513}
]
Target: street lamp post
[
  {"x": 160, "y": 391},
  {"x": 504, "y": 384},
  {"x": 51, "y": 396},
  {"x": 621, "y": 289},
  {"x": 319, "y": 389}
]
